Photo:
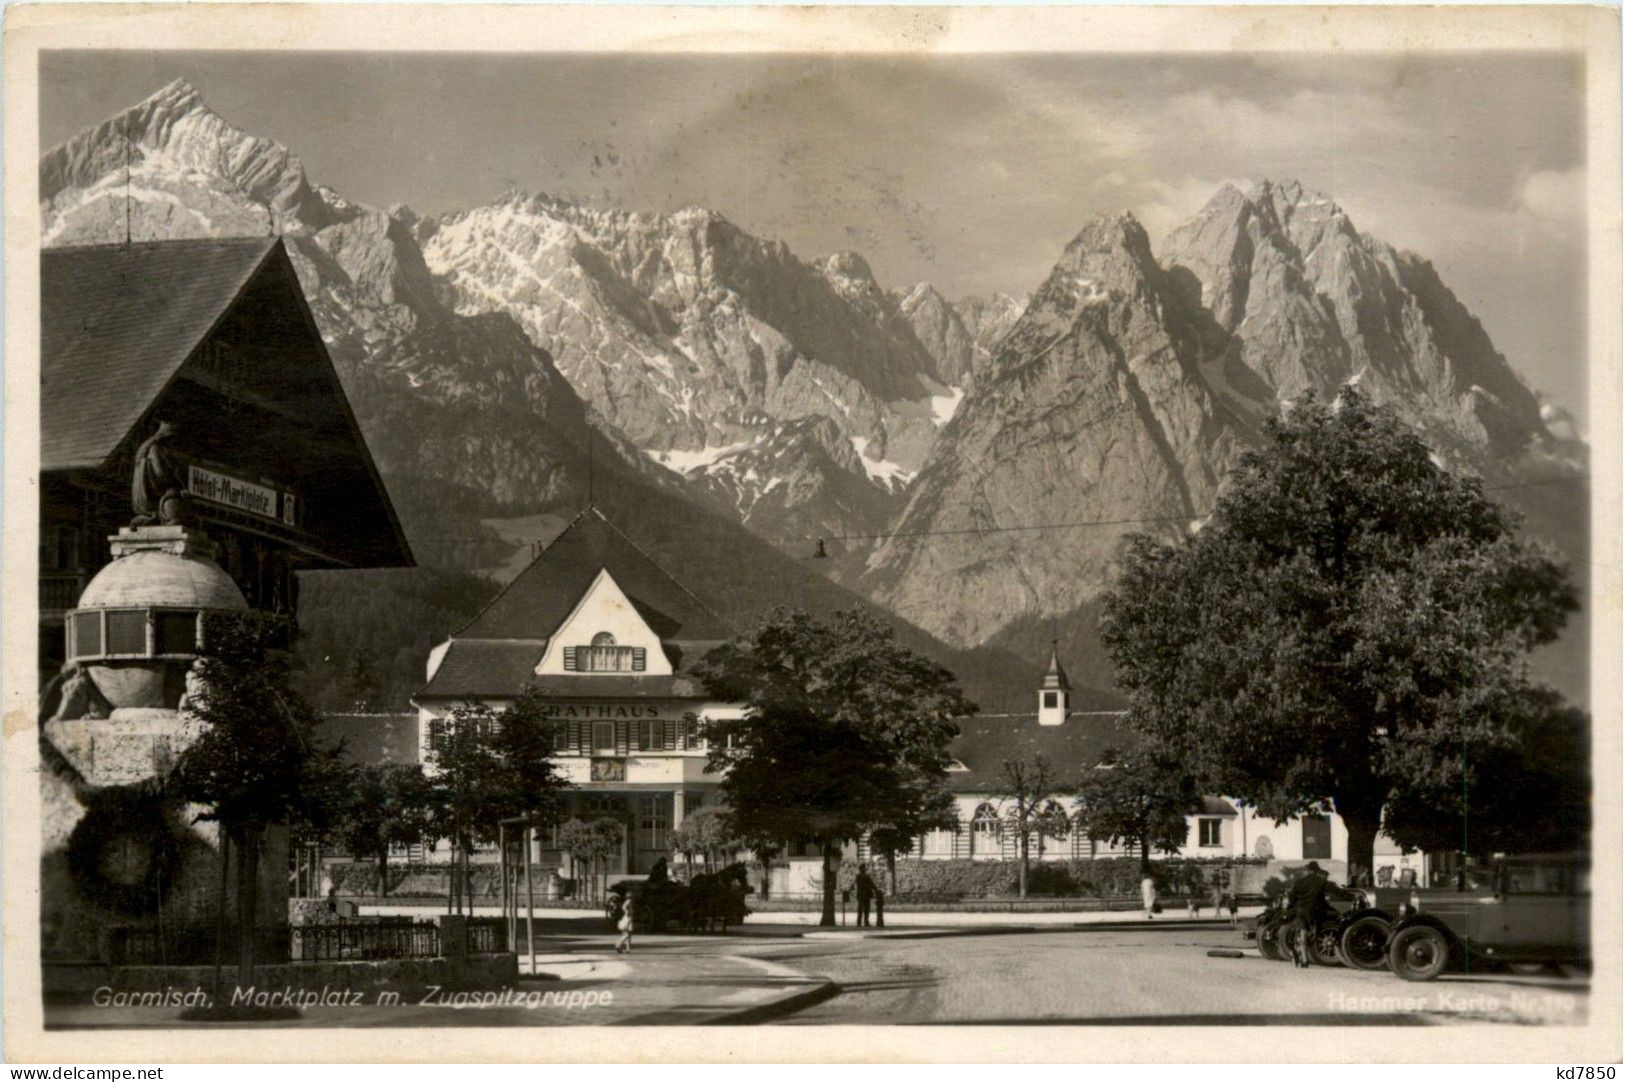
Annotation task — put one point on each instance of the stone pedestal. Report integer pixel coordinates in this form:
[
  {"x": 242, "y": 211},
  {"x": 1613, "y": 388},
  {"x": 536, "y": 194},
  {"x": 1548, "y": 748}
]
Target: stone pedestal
[{"x": 116, "y": 852}]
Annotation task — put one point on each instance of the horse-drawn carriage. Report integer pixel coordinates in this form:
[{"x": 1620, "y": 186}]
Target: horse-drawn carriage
[{"x": 711, "y": 901}]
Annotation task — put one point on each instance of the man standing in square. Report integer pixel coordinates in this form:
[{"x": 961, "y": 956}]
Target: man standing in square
[{"x": 866, "y": 895}]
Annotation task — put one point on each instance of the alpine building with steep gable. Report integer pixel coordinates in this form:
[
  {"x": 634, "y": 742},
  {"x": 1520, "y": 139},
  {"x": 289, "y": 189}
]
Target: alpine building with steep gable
[{"x": 610, "y": 640}]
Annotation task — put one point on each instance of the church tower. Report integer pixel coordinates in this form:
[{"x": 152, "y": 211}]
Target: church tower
[{"x": 1055, "y": 695}]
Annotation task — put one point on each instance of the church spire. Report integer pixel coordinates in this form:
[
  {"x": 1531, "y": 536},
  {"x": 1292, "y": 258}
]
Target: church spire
[{"x": 1055, "y": 695}]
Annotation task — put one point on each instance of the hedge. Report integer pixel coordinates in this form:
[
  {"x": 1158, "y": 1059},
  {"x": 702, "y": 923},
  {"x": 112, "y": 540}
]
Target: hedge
[{"x": 1110, "y": 877}]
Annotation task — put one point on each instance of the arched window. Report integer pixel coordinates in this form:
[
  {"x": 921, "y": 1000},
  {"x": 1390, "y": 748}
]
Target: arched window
[
  {"x": 985, "y": 830},
  {"x": 1050, "y": 825},
  {"x": 604, "y": 655}
]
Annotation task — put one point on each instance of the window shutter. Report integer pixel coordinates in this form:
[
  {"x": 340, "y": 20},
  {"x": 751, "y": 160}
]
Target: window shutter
[
  {"x": 569, "y": 659},
  {"x": 640, "y": 659},
  {"x": 668, "y": 735}
]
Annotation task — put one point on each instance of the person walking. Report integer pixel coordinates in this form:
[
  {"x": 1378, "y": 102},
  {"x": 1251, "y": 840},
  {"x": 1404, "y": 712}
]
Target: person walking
[
  {"x": 1148, "y": 894},
  {"x": 624, "y": 944},
  {"x": 880, "y": 907},
  {"x": 866, "y": 895}
]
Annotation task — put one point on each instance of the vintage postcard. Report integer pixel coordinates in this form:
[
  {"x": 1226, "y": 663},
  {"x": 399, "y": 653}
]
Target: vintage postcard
[{"x": 522, "y": 521}]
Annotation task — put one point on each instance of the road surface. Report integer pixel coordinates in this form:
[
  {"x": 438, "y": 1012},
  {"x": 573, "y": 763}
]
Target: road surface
[{"x": 1161, "y": 976}]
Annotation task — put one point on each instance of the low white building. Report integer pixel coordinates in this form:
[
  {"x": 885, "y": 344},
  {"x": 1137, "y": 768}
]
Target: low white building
[{"x": 1074, "y": 742}]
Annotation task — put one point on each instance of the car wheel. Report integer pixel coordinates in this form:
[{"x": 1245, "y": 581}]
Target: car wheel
[
  {"x": 1268, "y": 946},
  {"x": 1364, "y": 943},
  {"x": 1323, "y": 946},
  {"x": 1419, "y": 953}
]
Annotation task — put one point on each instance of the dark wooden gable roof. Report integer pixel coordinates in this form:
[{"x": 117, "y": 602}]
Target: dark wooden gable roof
[
  {"x": 542, "y": 596},
  {"x": 122, "y": 328},
  {"x": 116, "y": 323}
]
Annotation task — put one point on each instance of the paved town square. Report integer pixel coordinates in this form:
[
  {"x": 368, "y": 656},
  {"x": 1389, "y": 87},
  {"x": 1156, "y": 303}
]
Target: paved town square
[
  {"x": 778, "y": 974},
  {"x": 552, "y": 609}
]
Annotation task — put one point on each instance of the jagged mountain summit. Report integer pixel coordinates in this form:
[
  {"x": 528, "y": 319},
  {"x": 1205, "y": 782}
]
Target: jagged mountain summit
[
  {"x": 694, "y": 338},
  {"x": 1121, "y": 396},
  {"x": 1313, "y": 303},
  {"x": 464, "y": 402},
  {"x": 1093, "y": 408}
]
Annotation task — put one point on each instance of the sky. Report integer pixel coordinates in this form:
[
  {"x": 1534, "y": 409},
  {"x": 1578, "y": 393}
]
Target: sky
[{"x": 970, "y": 172}]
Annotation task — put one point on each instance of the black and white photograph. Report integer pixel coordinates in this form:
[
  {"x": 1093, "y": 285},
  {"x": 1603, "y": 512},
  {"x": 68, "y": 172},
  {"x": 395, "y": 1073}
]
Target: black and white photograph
[{"x": 789, "y": 519}]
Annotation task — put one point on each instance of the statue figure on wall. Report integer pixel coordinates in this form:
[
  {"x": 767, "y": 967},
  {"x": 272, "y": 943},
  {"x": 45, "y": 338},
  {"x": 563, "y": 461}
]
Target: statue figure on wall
[{"x": 158, "y": 487}]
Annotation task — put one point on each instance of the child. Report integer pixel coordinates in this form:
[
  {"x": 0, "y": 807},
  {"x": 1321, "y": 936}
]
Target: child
[
  {"x": 624, "y": 944},
  {"x": 1230, "y": 904}
]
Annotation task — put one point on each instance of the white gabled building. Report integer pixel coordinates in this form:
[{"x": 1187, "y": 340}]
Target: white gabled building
[
  {"x": 610, "y": 639},
  {"x": 1077, "y": 740}
]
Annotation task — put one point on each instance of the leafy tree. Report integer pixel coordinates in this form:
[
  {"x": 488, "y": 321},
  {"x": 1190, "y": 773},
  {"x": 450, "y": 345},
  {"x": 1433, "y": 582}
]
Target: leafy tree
[
  {"x": 707, "y": 832},
  {"x": 1143, "y": 799},
  {"x": 1350, "y": 623},
  {"x": 388, "y": 805},
  {"x": 1027, "y": 786},
  {"x": 489, "y": 765},
  {"x": 1540, "y": 766},
  {"x": 256, "y": 763},
  {"x": 592, "y": 843},
  {"x": 841, "y": 721}
]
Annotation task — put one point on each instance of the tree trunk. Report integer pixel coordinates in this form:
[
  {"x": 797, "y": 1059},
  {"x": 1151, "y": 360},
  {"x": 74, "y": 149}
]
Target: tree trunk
[
  {"x": 891, "y": 871},
  {"x": 1362, "y": 841},
  {"x": 1145, "y": 855},
  {"x": 826, "y": 919},
  {"x": 383, "y": 872},
  {"x": 1021, "y": 872},
  {"x": 220, "y": 912},
  {"x": 248, "y": 864}
]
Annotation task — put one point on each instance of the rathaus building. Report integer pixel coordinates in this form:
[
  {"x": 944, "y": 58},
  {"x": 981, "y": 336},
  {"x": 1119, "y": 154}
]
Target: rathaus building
[{"x": 610, "y": 640}]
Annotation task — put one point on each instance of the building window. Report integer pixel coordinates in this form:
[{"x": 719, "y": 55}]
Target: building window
[
  {"x": 985, "y": 830},
  {"x": 1051, "y": 700},
  {"x": 603, "y": 738},
  {"x": 1317, "y": 837},
  {"x": 604, "y": 655},
  {"x": 654, "y": 821},
  {"x": 561, "y": 737},
  {"x": 1207, "y": 832},
  {"x": 938, "y": 843}
]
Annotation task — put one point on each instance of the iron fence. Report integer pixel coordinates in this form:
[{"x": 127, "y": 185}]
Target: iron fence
[
  {"x": 487, "y": 935},
  {"x": 191, "y": 945},
  {"x": 365, "y": 939}
]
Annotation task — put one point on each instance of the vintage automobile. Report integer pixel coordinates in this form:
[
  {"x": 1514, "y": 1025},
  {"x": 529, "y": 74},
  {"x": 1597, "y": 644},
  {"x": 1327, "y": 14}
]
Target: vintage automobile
[
  {"x": 1348, "y": 909},
  {"x": 1534, "y": 910}
]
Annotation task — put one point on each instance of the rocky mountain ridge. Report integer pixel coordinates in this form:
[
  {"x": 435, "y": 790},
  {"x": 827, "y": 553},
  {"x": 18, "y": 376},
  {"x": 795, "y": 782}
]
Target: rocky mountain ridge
[
  {"x": 480, "y": 438},
  {"x": 1003, "y": 445}
]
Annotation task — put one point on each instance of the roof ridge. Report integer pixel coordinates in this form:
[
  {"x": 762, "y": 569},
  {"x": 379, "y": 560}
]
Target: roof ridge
[
  {"x": 54, "y": 249},
  {"x": 660, "y": 567}
]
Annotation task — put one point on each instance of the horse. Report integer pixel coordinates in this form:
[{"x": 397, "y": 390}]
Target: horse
[{"x": 718, "y": 899}]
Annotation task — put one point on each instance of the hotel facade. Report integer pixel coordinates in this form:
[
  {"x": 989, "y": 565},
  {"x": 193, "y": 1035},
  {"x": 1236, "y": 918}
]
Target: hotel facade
[{"x": 610, "y": 641}]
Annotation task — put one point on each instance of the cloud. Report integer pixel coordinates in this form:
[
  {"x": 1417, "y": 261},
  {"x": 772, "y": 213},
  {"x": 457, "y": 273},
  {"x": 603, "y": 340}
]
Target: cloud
[{"x": 1555, "y": 197}]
